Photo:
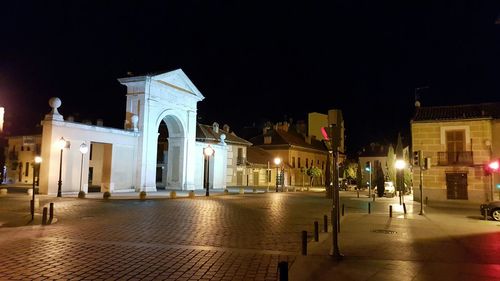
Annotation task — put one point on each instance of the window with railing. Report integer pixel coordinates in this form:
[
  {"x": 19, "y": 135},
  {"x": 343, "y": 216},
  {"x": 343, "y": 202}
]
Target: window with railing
[{"x": 450, "y": 158}]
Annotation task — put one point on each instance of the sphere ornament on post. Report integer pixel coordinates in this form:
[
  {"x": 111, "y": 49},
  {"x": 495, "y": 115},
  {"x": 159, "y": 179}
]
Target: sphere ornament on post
[
  {"x": 83, "y": 150},
  {"x": 208, "y": 152}
]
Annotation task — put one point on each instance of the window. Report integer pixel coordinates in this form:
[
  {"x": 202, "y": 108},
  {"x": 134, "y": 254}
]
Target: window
[
  {"x": 455, "y": 141},
  {"x": 240, "y": 160},
  {"x": 90, "y": 154},
  {"x": 22, "y": 147},
  {"x": 307, "y": 162},
  {"x": 298, "y": 162},
  {"x": 27, "y": 169},
  {"x": 317, "y": 162},
  {"x": 28, "y": 148},
  {"x": 293, "y": 162}
]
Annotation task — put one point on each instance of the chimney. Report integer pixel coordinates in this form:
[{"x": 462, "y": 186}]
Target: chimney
[
  {"x": 215, "y": 127},
  {"x": 70, "y": 118},
  {"x": 226, "y": 128},
  {"x": 99, "y": 122}
]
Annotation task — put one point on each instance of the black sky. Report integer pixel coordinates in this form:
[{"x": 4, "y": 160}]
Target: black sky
[{"x": 253, "y": 60}]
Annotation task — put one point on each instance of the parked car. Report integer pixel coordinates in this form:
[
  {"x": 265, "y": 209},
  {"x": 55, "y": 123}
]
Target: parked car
[
  {"x": 389, "y": 190},
  {"x": 493, "y": 209}
]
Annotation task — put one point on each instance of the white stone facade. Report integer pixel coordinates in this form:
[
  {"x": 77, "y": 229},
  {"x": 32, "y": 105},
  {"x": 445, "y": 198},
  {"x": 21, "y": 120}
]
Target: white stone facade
[{"x": 126, "y": 160}]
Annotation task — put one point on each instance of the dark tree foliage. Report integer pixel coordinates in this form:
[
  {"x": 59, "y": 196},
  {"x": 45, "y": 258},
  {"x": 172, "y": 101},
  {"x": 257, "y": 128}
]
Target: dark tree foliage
[{"x": 380, "y": 180}]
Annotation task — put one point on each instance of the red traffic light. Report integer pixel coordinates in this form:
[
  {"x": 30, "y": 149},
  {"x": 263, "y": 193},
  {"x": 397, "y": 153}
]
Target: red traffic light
[
  {"x": 325, "y": 133},
  {"x": 494, "y": 166}
]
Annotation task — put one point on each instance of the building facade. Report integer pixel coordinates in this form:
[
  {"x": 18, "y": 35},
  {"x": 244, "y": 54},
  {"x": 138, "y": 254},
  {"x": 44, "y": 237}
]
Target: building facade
[
  {"x": 459, "y": 140},
  {"x": 298, "y": 152},
  {"x": 160, "y": 116}
]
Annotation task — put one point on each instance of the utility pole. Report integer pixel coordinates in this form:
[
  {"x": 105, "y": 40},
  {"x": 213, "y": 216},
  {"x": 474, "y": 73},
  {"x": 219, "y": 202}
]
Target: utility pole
[
  {"x": 421, "y": 172},
  {"x": 335, "y": 251}
]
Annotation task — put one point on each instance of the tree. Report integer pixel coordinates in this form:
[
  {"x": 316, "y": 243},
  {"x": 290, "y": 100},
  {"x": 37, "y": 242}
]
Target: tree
[
  {"x": 391, "y": 160},
  {"x": 380, "y": 179},
  {"x": 313, "y": 172},
  {"x": 359, "y": 177},
  {"x": 350, "y": 171}
]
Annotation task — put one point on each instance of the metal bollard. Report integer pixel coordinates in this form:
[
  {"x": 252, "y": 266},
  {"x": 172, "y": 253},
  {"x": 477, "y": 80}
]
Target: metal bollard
[
  {"x": 316, "y": 231},
  {"x": 357, "y": 192},
  {"x": 404, "y": 208},
  {"x": 426, "y": 200},
  {"x": 373, "y": 197},
  {"x": 486, "y": 214},
  {"x": 304, "y": 243},
  {"x": 342, "y": 209},
  {"x": 44, "y": 216},
  {"x": 325, "y": 223},
  {"x": 32, "y": 209},
  {"x": 283, "y": 271},
  {"x": 51, "y": 212},
  {"x": 369, "y": 208},
  {"x": 390, "y": 211}
]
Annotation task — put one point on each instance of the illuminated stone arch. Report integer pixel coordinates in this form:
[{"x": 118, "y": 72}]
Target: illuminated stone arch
[{"x": 173, "y": 98}]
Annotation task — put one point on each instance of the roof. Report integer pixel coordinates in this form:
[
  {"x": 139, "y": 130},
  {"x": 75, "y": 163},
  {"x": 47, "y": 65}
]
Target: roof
[
  {"x": 206, "y": 133},
  {"x": 374, "y": 150},
  {"x": 257, "y": 155},
  {"x": 455, "y": 112},
  {"x": 288, "y": 138}
]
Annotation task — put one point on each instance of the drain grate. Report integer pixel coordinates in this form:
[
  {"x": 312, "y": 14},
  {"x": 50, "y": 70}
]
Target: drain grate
[{"x": 384, "y": 231}]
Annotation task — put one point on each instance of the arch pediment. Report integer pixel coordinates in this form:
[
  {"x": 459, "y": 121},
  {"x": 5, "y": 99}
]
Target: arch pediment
[{"x": 178, "y": 81}]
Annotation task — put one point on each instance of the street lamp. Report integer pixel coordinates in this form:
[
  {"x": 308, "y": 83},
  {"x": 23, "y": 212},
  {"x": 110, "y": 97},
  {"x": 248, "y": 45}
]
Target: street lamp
[
  {"x": 61, "y": 144},
  {"x": 83, "y": 149},
  {"x": 207, "y": 151},
  {"x": 277, "y": 161},
  {"x": 400, "y": 165},
  {"x": 36, "y": 166}
]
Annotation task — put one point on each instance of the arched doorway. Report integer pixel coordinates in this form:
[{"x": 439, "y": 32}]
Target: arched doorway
[
  {"x": 162, "y": 156},
  {"x": 170, "y": 146}
]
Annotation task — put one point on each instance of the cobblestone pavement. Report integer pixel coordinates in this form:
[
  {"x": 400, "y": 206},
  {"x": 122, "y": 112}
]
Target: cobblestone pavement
[{"x": 236, "y": 237}]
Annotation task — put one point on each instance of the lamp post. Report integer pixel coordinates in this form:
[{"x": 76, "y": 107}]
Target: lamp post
[
  {"x": 400, "y": 165},
  {"x": 83, "y": 149},
  {"x": 61, "y": 143},
  {"x": 38, "y": 160},
  {"x": 277, "y": 161},
  {"x": 207, "y": 151}
]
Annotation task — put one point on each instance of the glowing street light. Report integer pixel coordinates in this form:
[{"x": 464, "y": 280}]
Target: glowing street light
[
  {"x": 277, "y": 161},
  {"x": 207, "y": 151},
  {"x": 61, "y": 144},
  {"x": 400, "y": 165},
  {"x": 83, "y": 149},
  {"x": 36, "y": 166}
]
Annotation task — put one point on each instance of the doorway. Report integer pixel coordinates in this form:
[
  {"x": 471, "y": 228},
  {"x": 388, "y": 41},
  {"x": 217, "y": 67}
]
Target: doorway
[{"x": 456, "y": 186}]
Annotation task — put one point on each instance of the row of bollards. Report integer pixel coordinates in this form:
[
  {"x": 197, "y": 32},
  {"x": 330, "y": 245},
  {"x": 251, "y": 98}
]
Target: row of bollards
[
  {"x": 390, "y": 210},
  {"x": 46, "y": 221}
]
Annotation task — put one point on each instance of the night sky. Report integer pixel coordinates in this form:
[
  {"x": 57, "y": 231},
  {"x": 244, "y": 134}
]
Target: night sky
[{"x": 253, "y": 60}]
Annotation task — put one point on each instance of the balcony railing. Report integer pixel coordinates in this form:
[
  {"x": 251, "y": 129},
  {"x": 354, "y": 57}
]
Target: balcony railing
[
  {"x": 241, "y": 160},
  {"x": 448, "y": 158}
]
